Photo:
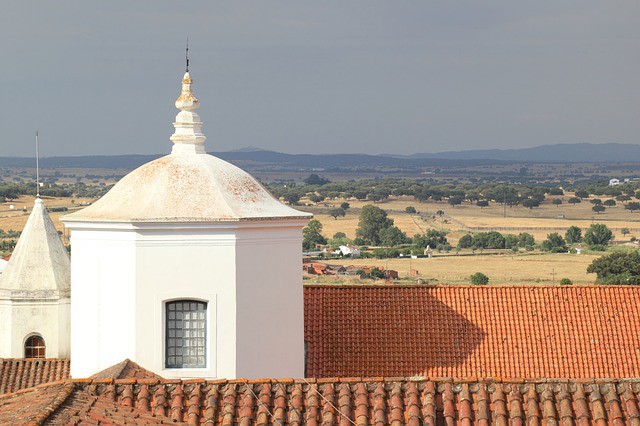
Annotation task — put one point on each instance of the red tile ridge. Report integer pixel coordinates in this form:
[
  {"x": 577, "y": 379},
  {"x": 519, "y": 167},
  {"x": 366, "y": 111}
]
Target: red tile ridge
[
  {"x": 193, "y": 381},
  {"x": 129, "y": 381}
]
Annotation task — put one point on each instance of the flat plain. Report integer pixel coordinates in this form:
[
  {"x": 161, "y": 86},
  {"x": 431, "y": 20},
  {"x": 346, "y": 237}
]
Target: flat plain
[{"x": 502, "y": 267}]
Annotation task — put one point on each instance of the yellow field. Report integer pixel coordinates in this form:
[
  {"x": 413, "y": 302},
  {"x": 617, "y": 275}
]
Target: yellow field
[
  {"x": 501, "y": 269},
  {"x": 467, "y": 217},
  {"x": 16, "y": 219}
]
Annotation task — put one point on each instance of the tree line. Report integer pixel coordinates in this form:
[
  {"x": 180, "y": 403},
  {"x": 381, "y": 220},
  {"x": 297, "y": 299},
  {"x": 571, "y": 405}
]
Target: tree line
[{"x": 318, "y": 189}]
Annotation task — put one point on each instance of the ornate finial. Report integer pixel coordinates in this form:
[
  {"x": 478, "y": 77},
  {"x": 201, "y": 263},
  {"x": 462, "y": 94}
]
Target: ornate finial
[
  {"x": 186, "y": 55},
  {"x": 37, "y": 167},
  {"x": 187, "y": 138}
]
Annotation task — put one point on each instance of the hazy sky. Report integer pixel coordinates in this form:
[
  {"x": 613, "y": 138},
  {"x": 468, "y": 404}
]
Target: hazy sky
[{"x": 319, "y": 77}]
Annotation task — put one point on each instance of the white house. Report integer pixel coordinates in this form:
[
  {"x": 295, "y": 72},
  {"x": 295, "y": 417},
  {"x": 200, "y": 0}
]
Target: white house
[
  {"x": 189, "y": 267},
  {"x": 614, "y": 182},
  {"x": 349, "y": 250},
  {"x": 34, "y": 293}
]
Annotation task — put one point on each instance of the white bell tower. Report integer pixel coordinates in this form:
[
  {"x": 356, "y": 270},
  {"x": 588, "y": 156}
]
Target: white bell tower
[
  {"x": 34, "y": 292},
  {"x": 189, "y": 267}
]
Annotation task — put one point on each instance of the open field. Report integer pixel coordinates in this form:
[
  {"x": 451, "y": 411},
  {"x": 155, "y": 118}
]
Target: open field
[
  {"x": 538, "y": 221},
  {"x": 505, "y": 268},
  {"x": 501, "y": 269},
  {"x": 16, "y": 219}
]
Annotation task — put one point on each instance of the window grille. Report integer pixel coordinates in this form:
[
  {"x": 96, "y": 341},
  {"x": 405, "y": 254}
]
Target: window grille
[
  {"x": 186, "y": 334},
  {"x": 34, "y": 347}
]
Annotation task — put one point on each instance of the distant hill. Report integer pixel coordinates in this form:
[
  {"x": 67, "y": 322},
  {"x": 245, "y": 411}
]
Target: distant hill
[
  {"x": 248, "y": 159},
  {"x": 560, "y": 153},
  {"x": 252, "y": 157}
]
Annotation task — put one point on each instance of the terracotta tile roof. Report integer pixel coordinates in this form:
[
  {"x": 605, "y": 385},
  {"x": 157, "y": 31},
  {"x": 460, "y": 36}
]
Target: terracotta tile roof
[
  {"x": 20, "y": 373},
  {"x": 500, "y": 332},
  {"x": 126, "y": 369},
  {"x": 330, "y": 401}
]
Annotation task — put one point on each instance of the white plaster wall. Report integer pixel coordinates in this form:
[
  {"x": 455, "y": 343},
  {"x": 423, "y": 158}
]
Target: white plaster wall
[
  {"x": 249, "y": 273},
  {"x": 270, "y": 332},
  {"x": 182, "y": 263},
  {"x": 22, "y": 319},
  {"x": 5, "y": 329},
  {"x": 102, "y": 299},
  {"x": 64, "y": 329}
]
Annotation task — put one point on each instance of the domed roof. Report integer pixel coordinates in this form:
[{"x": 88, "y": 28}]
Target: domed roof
[
  {"x": 188, "y": 185},
  {"x": 186, "y": 188}
]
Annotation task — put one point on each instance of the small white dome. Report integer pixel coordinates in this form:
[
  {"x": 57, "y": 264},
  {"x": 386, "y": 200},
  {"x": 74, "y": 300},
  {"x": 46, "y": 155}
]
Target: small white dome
[{"x": 186, "y": 188}]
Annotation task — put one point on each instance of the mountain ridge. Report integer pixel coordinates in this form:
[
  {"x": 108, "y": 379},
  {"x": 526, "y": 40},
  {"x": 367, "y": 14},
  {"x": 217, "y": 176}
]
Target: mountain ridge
[{"x": 558, "y": 153}]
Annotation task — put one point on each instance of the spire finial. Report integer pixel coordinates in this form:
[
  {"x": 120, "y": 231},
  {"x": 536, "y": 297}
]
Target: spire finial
[
  {"x": 186, "y": 55},
  {"x": 188, "y": 137},
  {"x": 37, "y": 167}
]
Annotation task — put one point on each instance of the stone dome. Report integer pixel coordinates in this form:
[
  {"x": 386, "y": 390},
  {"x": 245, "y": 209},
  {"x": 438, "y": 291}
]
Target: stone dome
[
  {"x": 187, "y": 188},
  {"x": 188, "y": 185}
]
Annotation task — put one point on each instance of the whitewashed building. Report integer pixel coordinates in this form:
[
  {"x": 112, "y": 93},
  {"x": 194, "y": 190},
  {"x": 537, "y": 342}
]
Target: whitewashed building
[
  {"x": 34, "y": 293},
  {"x": 189, "y": 267},
  {"x": 349, "y": 250}
]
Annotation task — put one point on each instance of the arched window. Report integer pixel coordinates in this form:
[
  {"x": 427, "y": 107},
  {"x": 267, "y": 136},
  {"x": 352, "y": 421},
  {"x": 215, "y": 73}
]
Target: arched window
[
  {"x": 186, "y": 334},
  {"x": 34, "y": 347}
]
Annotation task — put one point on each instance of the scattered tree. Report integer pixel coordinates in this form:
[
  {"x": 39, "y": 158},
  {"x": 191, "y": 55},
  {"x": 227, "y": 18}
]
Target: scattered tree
[
  {"x": 482, "y": 203},
  {"x": 479, "y": 279},
  {"x": 410, "y": 210},
  {"x": 554, "y": 244},
  {"x": 311, "y": 235},
  {"x": 609, "y": 203},
  {"x": 633, "y": 206},
  {"x": 337, "y": 212},
  {"x": 314, "y": 179},
  {"x": 595, "y": 201},
  {"x": 625, "y": 231},
  {"x": 315, "y": 198},
  {"x": 573, "y": 235},
  {"x": 617, "y": 268},
  {"x": 466, "y": 241},
  {"x": 598, "y": 208},
  {"x": 526, "y": 240},
  {"x": 574, "y": 200},
  {"x": 372, "y": 220},
  {"x": 530, "y": 203},
  {"x": 557, "y": 201},
  {"x": 432, "y": 238},
  {"x": 566, "y": 281},
  {"x": 345, "y": 206},
  {"x": 582, "y": 193},
  {"x": 374, "y": 197},
  {"x": 455, "y": 201},
  {"x": 598, "y": 234},
  {"x": 339, "y": 239},
  {"x": 291, "y": 198},
  {"x": 511, "y": 242},
  {"x": 392, "y": 236}
]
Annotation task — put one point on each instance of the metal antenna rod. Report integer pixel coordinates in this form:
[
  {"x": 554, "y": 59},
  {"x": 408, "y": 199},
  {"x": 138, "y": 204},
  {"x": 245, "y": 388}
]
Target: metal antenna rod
[
  {"x": 37, "y": 168},
  {"x": 186, "y": 55}
]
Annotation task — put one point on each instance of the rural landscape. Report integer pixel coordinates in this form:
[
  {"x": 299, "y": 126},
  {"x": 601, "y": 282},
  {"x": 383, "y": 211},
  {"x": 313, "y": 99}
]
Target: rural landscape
[{"x": 514, "y": 223}]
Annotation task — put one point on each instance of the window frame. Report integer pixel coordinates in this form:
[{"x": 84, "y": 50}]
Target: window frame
[
  {"x": 166, "y": 334},
  {"x": 159, "y": 311},
  {"x": 37, "y": 348}
]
